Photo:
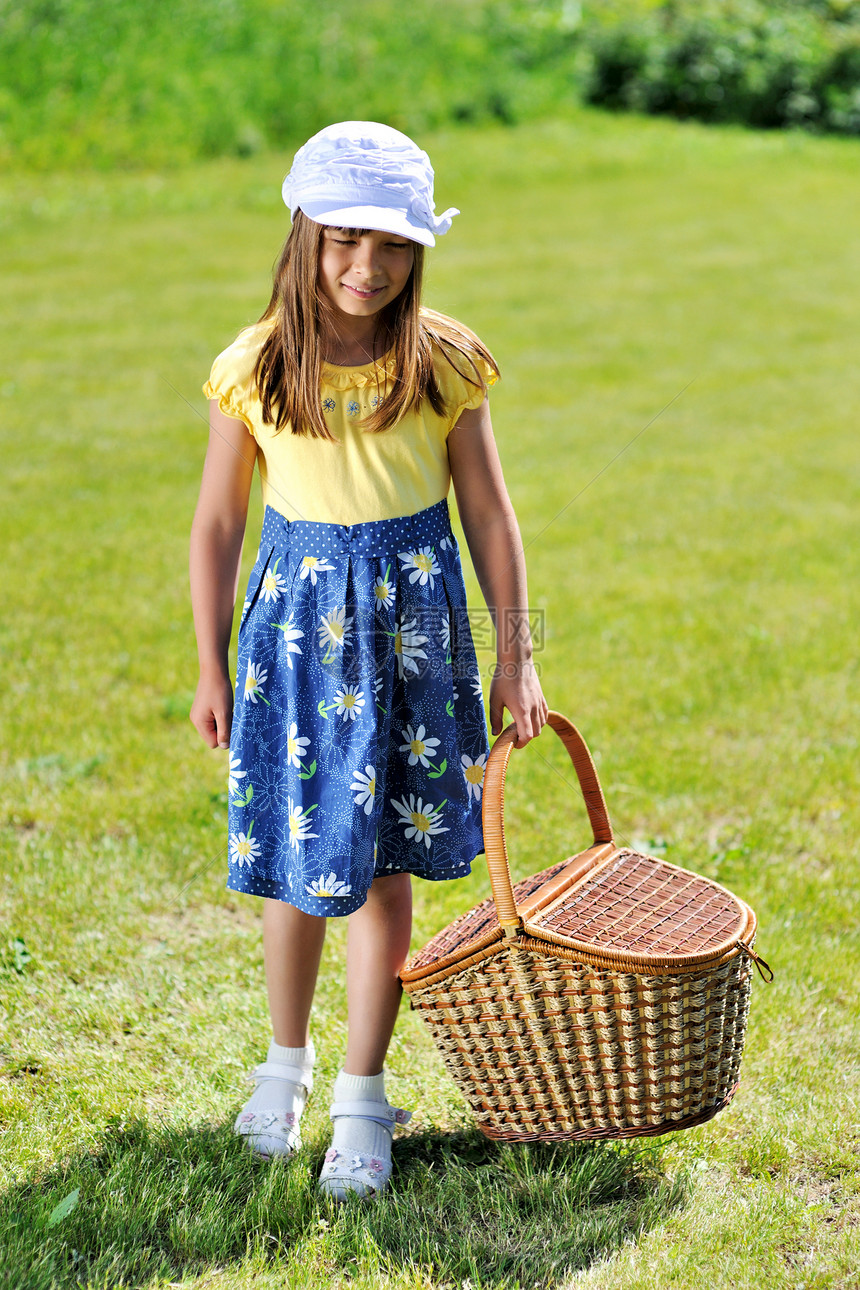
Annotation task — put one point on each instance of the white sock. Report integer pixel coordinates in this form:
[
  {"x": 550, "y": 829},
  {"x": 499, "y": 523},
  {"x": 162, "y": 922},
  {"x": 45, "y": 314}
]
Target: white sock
[
  {"x": 352, "y": 1134},
  {"x": 274, "y": 1094},
  {"x": 303, "y": 1057},
  {"x": 279, "y": 1095}
]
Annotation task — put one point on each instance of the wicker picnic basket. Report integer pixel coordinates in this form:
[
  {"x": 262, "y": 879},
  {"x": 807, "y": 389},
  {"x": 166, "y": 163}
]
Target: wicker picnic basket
[{"x": 605, "y": 997}]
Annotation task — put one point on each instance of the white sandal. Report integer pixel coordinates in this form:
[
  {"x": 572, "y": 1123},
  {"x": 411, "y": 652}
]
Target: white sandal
[
  {"x": 350, "y": 1171},
  {"x": 271, "y": 1133}
]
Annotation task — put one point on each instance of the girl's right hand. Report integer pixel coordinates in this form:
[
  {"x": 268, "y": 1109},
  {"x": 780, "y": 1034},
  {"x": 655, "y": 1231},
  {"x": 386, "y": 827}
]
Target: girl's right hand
[{"x": 212, "y": 710}]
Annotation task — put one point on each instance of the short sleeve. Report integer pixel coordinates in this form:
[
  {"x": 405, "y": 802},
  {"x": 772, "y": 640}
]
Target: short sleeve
[
  {"x": 231, "y": 380},
  {"x": 463, "y": 380}
]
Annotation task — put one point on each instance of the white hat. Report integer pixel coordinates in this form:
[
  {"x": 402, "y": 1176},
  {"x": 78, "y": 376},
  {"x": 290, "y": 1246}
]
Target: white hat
[{"x": 360, "y": 174}]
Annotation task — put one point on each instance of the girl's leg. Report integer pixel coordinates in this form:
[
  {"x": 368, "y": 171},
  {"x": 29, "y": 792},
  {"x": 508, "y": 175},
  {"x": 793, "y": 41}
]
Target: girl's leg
[
  {"x": 292, "y": 945},
  {"x": 377, "y": 946},
  {"x": 359, "y": 1159}
]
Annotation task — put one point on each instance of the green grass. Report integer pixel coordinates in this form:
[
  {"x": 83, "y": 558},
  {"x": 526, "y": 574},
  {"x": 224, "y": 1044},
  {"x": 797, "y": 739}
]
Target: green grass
[
  {"x": 701, "y": 598},
  {"x": 191, "y": 1198}
]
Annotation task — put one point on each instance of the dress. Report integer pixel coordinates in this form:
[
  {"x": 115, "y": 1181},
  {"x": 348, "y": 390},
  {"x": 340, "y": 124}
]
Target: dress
[{"x": 359, "y": 737}]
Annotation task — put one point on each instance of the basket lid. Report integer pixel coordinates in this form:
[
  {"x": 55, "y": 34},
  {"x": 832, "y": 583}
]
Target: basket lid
[
  {"x": 636, "y": 905},
  {"x": 612, "y": 906},
  {"x": 477, "y": 926}
]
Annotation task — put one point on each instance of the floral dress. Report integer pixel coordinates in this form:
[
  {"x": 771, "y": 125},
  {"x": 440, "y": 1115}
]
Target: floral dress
[{"x": 359, "y": 735}]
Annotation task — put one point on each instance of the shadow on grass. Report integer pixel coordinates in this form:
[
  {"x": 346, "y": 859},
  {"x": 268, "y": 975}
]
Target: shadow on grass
[{"x": 165, "y": 1203}]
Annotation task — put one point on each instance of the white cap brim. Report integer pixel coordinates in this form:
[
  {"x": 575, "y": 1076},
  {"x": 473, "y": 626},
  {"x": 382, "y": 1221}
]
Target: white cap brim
[{"x": 380, "y": 218}]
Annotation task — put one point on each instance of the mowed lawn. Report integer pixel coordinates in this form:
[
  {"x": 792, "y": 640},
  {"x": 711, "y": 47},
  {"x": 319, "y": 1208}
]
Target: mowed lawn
[{"x": 675, "y": 311}]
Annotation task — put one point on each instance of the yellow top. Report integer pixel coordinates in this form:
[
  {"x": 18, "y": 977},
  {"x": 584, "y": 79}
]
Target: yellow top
[{"x": 363, "y": 476}]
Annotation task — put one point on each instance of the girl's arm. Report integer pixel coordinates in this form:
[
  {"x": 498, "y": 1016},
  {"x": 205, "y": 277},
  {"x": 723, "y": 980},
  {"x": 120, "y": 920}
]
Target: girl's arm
[
  {"x": 493, "y": 535},
  {"x": 216, "y": 551}
]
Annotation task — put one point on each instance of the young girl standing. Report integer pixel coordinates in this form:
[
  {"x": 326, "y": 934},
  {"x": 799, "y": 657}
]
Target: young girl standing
[{"x": 357, "y": 735}]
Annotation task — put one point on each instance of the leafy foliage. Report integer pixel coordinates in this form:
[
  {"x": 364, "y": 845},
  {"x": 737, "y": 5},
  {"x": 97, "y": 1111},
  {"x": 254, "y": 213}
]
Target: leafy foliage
[
  {"x": 92, "y": 84},
  {"x": 744, "y": 61},
  {"x": 86, "y": 82}
]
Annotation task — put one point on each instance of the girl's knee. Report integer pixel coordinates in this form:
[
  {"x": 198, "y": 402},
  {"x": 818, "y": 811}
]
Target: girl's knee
[
  {"x": 393, "y": 891},
  {"x": 282, "y": 917}
]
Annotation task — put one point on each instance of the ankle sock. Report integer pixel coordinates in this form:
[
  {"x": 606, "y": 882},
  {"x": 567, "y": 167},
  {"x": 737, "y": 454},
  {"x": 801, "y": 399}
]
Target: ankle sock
[
  {"x": 364, "y": 1137},
  {"x": 280, "y": 1095},
  {"x": 303, "y": 1057}
]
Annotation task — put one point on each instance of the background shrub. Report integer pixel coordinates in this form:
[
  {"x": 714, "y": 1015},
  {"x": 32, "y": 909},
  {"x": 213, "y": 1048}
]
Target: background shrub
[
  {"x": 762, "y": 64},
  {"x": 158, "y": 82},
  {"x": 134, "y": 83}
]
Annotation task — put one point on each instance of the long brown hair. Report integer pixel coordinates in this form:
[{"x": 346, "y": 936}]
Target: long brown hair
[{"x": 289, "y": 367}]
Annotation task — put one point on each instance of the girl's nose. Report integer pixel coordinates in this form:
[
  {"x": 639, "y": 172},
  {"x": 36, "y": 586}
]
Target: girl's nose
[{"x": 367, "y": 257}]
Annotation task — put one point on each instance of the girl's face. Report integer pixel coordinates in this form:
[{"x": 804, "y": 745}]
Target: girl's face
[{"x": 361, "y": 271}]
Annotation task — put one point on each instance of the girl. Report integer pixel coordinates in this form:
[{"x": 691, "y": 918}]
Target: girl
[{"x": 358, "y": 738}]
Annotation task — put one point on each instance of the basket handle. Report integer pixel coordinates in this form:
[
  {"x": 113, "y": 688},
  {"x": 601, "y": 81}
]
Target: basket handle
[{"x": 493, "y": 804}]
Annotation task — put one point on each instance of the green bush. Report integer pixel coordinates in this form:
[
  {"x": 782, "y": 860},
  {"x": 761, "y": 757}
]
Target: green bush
[
  {"x": 745, "y": 61},
  {"x": 131, "y": 83},
  {"x": 147, "y": 82}
]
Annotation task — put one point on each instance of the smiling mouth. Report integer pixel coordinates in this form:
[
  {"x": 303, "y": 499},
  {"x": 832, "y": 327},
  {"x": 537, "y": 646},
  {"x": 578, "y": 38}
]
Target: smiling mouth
[{"x": 363, "y": 293}]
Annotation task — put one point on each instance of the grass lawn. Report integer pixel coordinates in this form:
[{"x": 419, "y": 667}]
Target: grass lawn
[{"x": 675, "y": 311}]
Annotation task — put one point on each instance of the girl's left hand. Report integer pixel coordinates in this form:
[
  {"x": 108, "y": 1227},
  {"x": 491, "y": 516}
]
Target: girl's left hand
[{"x": 515, "y": 686}]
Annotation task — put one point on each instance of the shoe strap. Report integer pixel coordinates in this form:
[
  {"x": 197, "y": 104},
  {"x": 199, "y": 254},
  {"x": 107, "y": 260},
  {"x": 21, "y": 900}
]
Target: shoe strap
[
  {"x": 380, "y": 1112},
  {"x": 283, "y": 1070}
]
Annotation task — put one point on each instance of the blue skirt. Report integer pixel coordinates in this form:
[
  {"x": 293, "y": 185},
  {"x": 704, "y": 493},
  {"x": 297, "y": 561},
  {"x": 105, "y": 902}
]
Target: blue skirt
[{"x": 359, "y": 737}]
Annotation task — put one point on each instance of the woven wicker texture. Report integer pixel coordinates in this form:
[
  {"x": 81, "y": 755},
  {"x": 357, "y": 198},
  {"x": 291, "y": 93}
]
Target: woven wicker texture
[
  {"x": 481, "y": 918},
  {"x": 642, "y": 905},
  {"x": 606, "y": 996},
  {"x": 544, "y": 1048}
]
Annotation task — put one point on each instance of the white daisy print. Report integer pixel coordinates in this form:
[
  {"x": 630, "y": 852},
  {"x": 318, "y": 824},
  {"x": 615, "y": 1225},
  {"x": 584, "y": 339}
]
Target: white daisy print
[
  {"x": 330, "y": 886},
  {"x": 296, "y": 747},
  {"x": 254, "y": 681},
  {"x": 364, "y": 786},
  {"x": 445, "y": 632},
  {"x": 334, "y": 629},
  {"x": 349, "y": 701},
  {"x": 418, "y": 744},
  {"x": 445, "y": 543},
  {"x": 299, "y": 821},
  {"x": 383, "y": 592},
  {"x": 407, "y": 646},
  {"x": 290, "y": 635},
  {"x": 422, "y": 563},
  {"x": 420, "y": 821},
  {"x": 235, "y": 773},
  {"x": 477, "y": 688},
  {"x": 312, "y": 565},
  {"x": 244, "y": 848},
  {"x": 474, "y": 772},
  {"x": 377, "y": 685},
  {"x": 273, "y": 585}
]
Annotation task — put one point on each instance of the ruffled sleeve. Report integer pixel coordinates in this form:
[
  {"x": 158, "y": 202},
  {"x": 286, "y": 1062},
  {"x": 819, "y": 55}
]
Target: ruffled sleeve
[
  {"x": 460, "y": 378},
  {"x": 231, "y": 380}
]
